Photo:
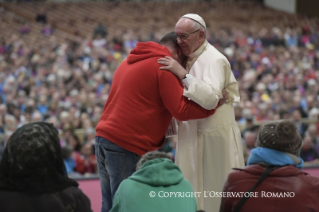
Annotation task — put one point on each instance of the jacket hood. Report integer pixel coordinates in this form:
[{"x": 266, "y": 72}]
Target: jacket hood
[
  {"x": 145, "y": 50},
  {"x": 158, "y": 172}
]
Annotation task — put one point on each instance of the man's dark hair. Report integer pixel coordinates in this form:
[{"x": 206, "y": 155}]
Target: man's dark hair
[{"x": 170, "y": 39}]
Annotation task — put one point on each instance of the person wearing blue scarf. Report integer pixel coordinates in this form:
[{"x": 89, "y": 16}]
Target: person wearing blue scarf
[
  {"x": 286, "y": 187},
  {"x": 264, "y": 155}
]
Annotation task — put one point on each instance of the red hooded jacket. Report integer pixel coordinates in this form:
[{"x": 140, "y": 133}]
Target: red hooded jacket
[{"x": 142, "y": 101}]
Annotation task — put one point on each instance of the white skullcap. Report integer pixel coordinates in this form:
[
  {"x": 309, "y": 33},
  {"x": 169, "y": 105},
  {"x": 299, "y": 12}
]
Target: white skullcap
[{"x": 196, "y": 18}]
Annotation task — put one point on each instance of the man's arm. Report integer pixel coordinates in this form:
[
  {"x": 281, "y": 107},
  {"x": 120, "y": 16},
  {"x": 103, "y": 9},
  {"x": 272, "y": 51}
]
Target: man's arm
[
  {"x": 207, "y": 92},
  {"x": 171, "y": 91}
]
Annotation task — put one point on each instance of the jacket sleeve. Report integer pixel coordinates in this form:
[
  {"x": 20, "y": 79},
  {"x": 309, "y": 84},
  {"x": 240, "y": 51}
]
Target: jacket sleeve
[
  {"x": 83, "y": 203},
  {"x": 208, "y": 91},
  {"x": 171, "y": 91}
]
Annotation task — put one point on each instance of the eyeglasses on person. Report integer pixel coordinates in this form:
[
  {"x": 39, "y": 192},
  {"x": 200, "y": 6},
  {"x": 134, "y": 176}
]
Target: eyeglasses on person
[{"x": 184, "y": 36}]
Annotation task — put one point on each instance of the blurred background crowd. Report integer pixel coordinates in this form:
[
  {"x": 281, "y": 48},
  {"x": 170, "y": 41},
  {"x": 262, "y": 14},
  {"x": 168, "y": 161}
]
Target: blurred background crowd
[{"x": 57, "y": 62}]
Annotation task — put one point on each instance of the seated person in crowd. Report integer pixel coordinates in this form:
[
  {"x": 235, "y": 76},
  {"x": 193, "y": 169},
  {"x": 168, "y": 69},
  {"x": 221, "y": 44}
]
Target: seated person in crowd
[
  {"x": 277, "y": 160},
  {"x": 68, "y": 160},
  {"x": 87, "y": 163},
  {"x": 250, "y": 140},
  {"x": 155, "y": 177},
  {"x": 41, "y": 17},
  {"x": 33, "y": 176},
  {"x": 308, "y": 152}
]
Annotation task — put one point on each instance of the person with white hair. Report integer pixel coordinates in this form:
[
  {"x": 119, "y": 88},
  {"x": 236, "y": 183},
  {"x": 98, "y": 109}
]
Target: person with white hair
[
  {"x": 207, "y": 148},
  {"x": 313, "y": 113},
  {"x": 36, "y": 117}
]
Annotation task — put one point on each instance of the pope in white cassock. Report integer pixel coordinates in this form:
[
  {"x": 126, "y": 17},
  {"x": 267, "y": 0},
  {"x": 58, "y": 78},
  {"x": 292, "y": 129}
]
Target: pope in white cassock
[{"x": 207, "y": 149}]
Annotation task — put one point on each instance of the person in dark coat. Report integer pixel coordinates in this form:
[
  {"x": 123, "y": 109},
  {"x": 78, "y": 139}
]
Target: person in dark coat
[
  {"x": 101, "y": 30},
  {"x": 33, "y": 176},
  {"x": 41, "y": 17},
  {"x": 286, "y": 188}
]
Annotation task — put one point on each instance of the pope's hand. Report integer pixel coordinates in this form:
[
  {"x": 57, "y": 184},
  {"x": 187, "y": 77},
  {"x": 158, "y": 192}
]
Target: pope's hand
[
  {"x": 173, "y": 66},
  {"x": 225, "y": 97}
]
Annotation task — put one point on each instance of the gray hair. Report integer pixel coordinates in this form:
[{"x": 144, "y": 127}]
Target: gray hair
[
  {"x": 196, "y": 26},
  {"x": 150, "y": 156}
]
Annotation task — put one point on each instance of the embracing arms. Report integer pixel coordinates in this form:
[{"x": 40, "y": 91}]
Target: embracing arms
[{"x": 208, "y": 91}]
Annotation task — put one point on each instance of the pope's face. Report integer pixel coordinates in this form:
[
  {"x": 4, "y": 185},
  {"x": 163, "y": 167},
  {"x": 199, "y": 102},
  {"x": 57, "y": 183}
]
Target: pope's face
[{"x": 189, "y": 38}]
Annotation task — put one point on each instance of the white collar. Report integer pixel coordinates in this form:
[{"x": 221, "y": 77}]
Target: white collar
[{"x": 199, "y": 51}]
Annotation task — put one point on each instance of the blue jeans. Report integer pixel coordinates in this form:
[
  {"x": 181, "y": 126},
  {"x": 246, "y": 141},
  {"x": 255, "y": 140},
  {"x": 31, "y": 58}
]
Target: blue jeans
[{"x": 115, "y": 164}]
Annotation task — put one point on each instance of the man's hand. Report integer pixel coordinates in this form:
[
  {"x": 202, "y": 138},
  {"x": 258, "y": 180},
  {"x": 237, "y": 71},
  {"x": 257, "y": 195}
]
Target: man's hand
[
  {"x": 173, "y": 66},
  {"x": 225, "y": 97}
]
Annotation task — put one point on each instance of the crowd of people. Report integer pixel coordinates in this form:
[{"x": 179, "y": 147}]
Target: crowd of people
[
  {"x": 34, "y": 172},
  {"x": 67, "y": 82}
]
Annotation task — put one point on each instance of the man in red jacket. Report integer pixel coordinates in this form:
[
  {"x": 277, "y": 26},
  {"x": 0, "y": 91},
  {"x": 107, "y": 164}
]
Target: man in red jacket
[{"x": 140, "y": 106}]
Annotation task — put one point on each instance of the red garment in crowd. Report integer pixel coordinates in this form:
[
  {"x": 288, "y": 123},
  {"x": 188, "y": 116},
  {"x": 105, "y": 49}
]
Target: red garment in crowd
[
  {"x": 85, "y": 165},
  {"x": 143, "y": 100},
  {"x": 283, "y": 180}
]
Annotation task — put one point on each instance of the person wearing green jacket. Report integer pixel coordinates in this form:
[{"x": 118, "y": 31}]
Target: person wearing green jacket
[{"x": 157, "y": 185}]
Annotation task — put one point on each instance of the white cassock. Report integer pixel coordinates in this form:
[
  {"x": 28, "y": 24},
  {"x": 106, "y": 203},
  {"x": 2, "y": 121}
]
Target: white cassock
[{"x": 208, "y": 149}]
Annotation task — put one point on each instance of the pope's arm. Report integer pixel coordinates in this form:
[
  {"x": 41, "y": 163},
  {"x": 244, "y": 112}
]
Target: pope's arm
[
  {"x": 183, "y": 109},
  {"x": 201, "y": 92},
  {"x": 207, "y": 91}
]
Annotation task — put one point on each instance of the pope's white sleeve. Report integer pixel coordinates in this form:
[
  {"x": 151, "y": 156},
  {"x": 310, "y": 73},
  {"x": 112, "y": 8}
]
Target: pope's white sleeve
[{"x": 208, "y": 91}]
